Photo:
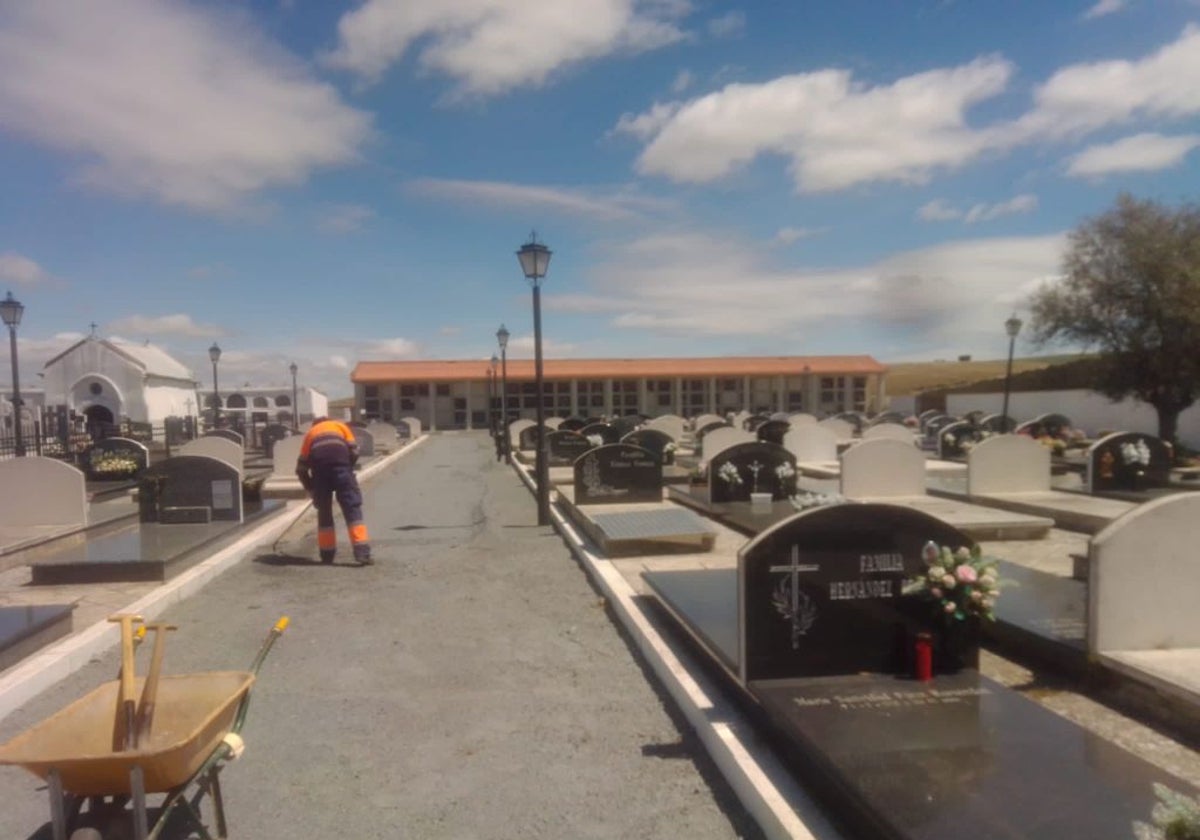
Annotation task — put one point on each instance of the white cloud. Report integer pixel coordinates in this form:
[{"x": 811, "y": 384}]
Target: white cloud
[
  {"x": 1085, "y": 97},
  {"x": 1025, "y": 203},
  {"x": 938, "y": 210},
  {"x": 344, "y": 218},
  {"x": 834, "y": 131},
  {"x": 610, "y": 206},
  {"x": 179, "y": 325},
  {"x": 394, "y": 347},
  {"x": 944, "y": 294},
  {"x": 791, "y": 235},
  {"x": 491, "y": 46},
  {"x": 727, "y": 25},
  {"x": 339, "y": 362},
  {"x": 168, "y": 100},
  {"x": 521, "y": 346},
  {"x": 1103, "y": 8},
  {"x": 15, "y": 268},
  {"x": 1145, "y": 152},
  {"x": 683, "y": 81}
]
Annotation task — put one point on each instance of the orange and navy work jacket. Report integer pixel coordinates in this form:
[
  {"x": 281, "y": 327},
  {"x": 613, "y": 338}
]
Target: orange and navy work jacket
[{"x": 328, "y": 443}]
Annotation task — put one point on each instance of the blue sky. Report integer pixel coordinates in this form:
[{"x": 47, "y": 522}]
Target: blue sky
[{"x": 323, "y": 182}]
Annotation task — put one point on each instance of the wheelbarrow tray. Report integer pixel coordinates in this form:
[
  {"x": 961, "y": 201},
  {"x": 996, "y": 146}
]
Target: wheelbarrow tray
[{"x": 193, "y": 714}]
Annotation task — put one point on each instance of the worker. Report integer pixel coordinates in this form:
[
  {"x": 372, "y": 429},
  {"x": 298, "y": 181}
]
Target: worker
[{"x": 326, "y": 467}]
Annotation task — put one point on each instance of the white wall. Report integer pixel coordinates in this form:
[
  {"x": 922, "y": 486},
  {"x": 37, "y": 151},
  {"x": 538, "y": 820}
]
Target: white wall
[{"x": 1088, "y": 410}]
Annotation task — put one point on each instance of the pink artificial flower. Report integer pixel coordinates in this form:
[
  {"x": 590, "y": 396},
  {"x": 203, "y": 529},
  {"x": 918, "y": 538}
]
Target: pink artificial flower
[
  {"x": 935, "y": 592},
  {"x": 951, "y": 607},
  {"x": 966, "y": 574}
]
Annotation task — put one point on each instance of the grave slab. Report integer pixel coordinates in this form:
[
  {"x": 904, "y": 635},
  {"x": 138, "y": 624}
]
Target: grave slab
[
  {"x": 26, "y": 629},
  {"x": 142, "y": 551}
]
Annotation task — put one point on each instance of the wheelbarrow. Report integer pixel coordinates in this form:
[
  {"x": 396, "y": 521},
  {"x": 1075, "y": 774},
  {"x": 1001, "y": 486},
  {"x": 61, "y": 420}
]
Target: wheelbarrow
[{"x": 95, "y": 789}]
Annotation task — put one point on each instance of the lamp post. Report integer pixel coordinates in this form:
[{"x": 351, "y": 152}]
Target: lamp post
[
  {"x": 1012, "y": 326},
  {"x": 492, "y": 392},
  {"x": 295, "y": 403},
  {"x": 535, "y": 259},
  {"x": 214, "y": 353},
  {"x": 12, "y": 310},
  {"x": 502, "y": 340}
]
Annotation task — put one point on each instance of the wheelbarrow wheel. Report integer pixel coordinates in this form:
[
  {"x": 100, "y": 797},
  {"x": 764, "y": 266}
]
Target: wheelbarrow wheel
[{"x": 86, "y": 834}]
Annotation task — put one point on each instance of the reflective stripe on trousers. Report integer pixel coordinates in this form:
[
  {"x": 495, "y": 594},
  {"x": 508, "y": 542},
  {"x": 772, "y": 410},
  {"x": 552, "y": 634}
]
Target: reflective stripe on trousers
[{"x": 339, "y": 480}]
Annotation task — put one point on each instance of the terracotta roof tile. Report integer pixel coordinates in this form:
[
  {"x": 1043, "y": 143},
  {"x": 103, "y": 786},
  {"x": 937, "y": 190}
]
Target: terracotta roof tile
[{"x": 522, "y": 369}]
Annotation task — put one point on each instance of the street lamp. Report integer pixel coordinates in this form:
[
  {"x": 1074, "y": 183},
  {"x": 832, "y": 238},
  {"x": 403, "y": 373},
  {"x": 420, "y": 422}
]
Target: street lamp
[
  {"x": 1012, "y": 326},
  {"x": 494, "y": 386},
  {"x": 535, "y": 259},
  {"x": 12, "y": 310},
  {"x": 214, "y": 353},
  {"x": 295, "y": 403},
  {"x": 502, "y": 340}
]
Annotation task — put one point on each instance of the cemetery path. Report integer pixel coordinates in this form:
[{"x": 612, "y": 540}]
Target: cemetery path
[{"x": 470, "y": 684}]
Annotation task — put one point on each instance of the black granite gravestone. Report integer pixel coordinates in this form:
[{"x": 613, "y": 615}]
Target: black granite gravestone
[
  {"x": 772, "y": 431},
  {"x": 190, "y": 489},
  {"x": 997, "y": 424},
  {"x": 625, "y": 424},
  {"x": 572, "y": 424},
  {"x": 176, "y": 430},
  {"x": 854, "y": 418},
  {"x": 1128, "y": 461},
  {"x": 752, "y": 467},
  {"x": 565, "y": 446},
  {"x": 228, "y": 434},
  {"x": 618, "y": 473},
  {"x": 956, "y": 439},
  {"x": 751, "y": 423},
  {"x": 26, "y": 629},
  {"x": 655, "y": 440},
  {"x": 886, "y": 417},
  {"x": 1046, "y": 425},
  {"x": 821, "y": 593},
  {"x": 701, "y": 431},
  {"x": 115, "y": 459},
  {"x": 604, "y": 431}
]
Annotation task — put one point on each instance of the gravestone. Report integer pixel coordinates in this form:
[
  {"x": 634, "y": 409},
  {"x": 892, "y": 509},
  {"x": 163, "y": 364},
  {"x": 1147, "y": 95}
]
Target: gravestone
[
  {"x": 272, "y": 433},
  {"x": 365, "y": 441},
  {"x": 572, "y": 424},
  {"x": 41, "y": 491},
  {"x": 705, "y": 424},
  {"x": 842, "y": 429},
  {"x": 1008, "y": 464},
  {"x": 811, "y": 443},
  {"x": 384, "y": 435},
  {"x": 284, "y": 455},
  {"x": 618, "y": 473},
  {"x": 854, "y": 418},
  {"x": 176, "y": 430},
  {"x": 751, "y": 423},
  {"x": 955, "y": 440},
  {"x": 215, "y": 446},
  {"x": 672, "y": 424},
  {"x": 821, "y": 593},
  {"x": 605, "y": 431},
  {"x": 515, "y": 428},
  {"x": 925, "y": 416},
  {"x": 625, "y": 424},
  {"x": 772, "y": 431},
  {"x": 881, "y": 468},
  {"x": 1046, "y": 425},
  {"x": 889, "y": 431},
  {"x": 719, "y": 439},
  {"x": 801, "y": 418},
  {"x": 228, "y": 434},
  {"x": 656, "y": 441},
  {"x": 760, "y": 468},
  {"x": 886, "y": 417},
  {"x": 565, "y": 446},
  {"x": 1127, "y": 461},
  {"x": 553, "y": 423},
  {"x": 414, "y": 426},
  {"x": 115, "y": 459},
  {"x": 403, "y": 432},
  {"x": 529, "y": 437},
  {"x": 188, "y": 489},
  {"x": 935, "y": 425},
  {"x": 997, "y": 424}
]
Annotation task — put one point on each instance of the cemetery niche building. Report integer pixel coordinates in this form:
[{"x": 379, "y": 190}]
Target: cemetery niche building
[{"x": 456, "y": 394}]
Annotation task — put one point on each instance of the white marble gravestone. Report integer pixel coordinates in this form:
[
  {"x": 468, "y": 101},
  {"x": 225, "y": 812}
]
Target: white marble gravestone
[
  {"x": 875, "y": 469},
  {"x": 1008, "y": 464},
  {"x": 215, "y": 447},
  {"x": 718, "y": 440},
  {"x": 283, "y": 460},
  {"x": 889, "y": 431},
  {"x": 672, "y": 424},
  {"x": 811, "y": 444},
  {"x": 41, "y": 491},
  {"x": 842, "y": 428}
]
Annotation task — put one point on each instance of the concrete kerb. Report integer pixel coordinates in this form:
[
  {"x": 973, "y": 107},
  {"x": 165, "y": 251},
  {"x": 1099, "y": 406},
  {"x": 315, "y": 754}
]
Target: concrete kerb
[
  {"x": 39, "y": 672},
  {"x": 761, "y": 783}
]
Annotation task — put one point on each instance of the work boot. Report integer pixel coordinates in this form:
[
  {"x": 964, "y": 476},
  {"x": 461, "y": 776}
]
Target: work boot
[
  {"x": 327, "y": 555},
  {"x": 362, "y": 556}
]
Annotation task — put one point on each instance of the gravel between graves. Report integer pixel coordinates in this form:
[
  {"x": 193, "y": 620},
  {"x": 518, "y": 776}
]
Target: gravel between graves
[{"x": 471, "y": 684}]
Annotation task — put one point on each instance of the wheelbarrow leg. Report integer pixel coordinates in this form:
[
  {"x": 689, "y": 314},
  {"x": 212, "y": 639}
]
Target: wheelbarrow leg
[
  {"x": 58, "y": 811},
  {"x": 137, "y": 787},
  {"x": 214, "y": 790}
]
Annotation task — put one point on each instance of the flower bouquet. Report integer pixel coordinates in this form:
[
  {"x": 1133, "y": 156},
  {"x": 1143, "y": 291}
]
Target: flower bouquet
[
  {"x": 804, "y": 501},
  {"x": 111, "y": 465},
  {"x": 1176, "y": 816},
  {"x": 963, "y": 584},
  {"x": 728, "y": 473},
  {"x": 786, "y": 474},
  {"x": 1135, "y": 454}
]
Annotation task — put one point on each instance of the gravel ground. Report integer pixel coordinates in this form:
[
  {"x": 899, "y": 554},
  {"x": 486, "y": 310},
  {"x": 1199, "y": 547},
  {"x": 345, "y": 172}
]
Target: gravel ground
[{"x": 470, "y": 685}]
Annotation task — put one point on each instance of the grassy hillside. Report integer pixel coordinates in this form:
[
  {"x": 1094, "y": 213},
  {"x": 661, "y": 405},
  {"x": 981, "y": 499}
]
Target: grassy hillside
[{"x": 905, "y": 378}]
